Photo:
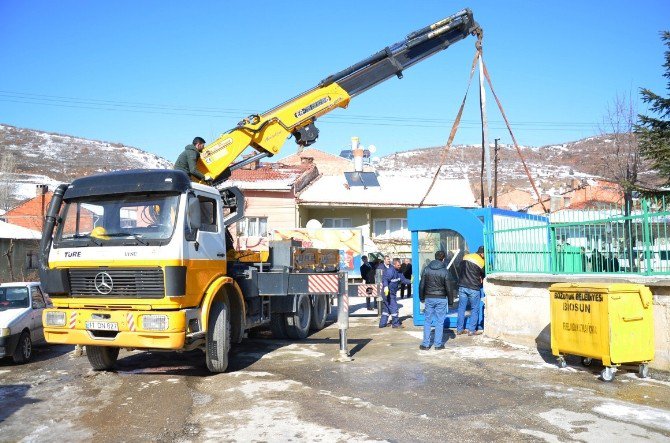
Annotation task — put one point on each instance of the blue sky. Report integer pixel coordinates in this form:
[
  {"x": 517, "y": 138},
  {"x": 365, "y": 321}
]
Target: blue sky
[{"x": 153, "y": 74}]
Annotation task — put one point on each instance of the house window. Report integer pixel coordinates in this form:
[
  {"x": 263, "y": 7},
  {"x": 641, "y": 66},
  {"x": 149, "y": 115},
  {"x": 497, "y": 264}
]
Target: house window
[
  {"x": 392, "y": 227},
  {"x": 336, "y": 223},
  {"x": 31, "y": 260},
  {"x": 253, "y": 227}
]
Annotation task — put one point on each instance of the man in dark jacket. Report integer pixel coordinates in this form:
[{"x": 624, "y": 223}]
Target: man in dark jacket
[
  {"x": 188, "y": 159},
  {"x": 406, "y": 270},
  {"x": 391, "y": 281},
  {"x": 368, "y": 277},
  {"x": 469, "y": 291},
  {"x": 433, "y": 290}
]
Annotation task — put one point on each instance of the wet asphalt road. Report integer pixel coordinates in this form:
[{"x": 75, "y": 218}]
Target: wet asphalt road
[{"x": 477, "y": 389}]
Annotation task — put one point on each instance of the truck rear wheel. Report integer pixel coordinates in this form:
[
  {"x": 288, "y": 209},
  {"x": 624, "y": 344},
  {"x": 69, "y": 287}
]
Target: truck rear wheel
[
  {"x": 218, "y": 337},
  {"x": 278, "y": 325},
  {"x": 319, "y": 312},
  {"x": 102, "y": 358},
  {"x": 297, "y": 324}
]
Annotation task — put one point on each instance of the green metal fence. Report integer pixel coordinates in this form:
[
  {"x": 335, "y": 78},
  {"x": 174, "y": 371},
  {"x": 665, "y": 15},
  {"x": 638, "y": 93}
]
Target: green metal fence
[{"x": 612, "y": 239}]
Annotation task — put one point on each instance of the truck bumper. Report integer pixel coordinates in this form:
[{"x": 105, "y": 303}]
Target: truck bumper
[{"x": 130, "y": 334}]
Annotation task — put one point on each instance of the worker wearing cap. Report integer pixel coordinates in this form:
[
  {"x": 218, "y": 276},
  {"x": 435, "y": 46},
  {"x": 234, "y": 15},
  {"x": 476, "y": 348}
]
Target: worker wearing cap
[
  {"x": 469, "y": 291},
  {"x": 391, "y": 281},
  {"x": 188, "y": 160}
]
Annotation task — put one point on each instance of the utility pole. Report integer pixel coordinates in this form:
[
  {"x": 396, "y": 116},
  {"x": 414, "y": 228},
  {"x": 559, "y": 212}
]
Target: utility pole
[{"x": 495, "y": 174}]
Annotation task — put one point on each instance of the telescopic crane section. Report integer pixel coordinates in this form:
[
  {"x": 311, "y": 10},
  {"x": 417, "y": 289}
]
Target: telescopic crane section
[{"x": 267, "y": 132}]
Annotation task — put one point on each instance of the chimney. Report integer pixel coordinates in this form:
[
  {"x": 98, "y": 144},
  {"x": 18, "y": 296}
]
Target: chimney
[
  {"x": 357, "y": 150},
  {"x": 253, "y": 165},
  {"x": 306, "y": 160},
  {"x": 41, "y": 190}
]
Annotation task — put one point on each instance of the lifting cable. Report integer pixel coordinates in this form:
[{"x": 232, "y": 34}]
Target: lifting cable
[
  {"x": 516, "y": 145},
  {"x": 454, "y": 128}
]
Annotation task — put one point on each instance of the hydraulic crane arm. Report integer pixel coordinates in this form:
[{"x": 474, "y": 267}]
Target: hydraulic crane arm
[{"x": 267, "y": 132}]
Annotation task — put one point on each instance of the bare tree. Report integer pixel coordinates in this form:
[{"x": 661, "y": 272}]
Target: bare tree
[
  {"x": 7, "y": 170},
  {"x": 621, "y": 157}
]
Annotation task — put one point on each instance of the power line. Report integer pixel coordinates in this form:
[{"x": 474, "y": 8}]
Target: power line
[{"x": 212, "y": 112}]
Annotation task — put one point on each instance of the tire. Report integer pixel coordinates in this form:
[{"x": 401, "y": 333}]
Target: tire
[
  {"x": 319, "y": 313},
  {"x": 607, "y": 374},
  {"x": 297, "y": 324},
  {"x": 24, "y": 349},
  {"x": 586, "y": 361},
  {"x": 643, "y": 371},
  {"x": 278, "y": 325},
  {"x": 561, "y": 362},
  {"x": 218, "y": 337},
  {"x": 102, "y": 358}
]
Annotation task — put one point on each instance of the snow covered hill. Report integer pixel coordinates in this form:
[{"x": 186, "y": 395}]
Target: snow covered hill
[{"x": 47, "y": 158}]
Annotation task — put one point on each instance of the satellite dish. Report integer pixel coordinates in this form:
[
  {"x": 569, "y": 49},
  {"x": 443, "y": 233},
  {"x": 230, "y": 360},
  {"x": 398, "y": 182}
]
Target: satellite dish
[
  {"x": 372, "y": 149},
  {"x": 313, "y": 224}
]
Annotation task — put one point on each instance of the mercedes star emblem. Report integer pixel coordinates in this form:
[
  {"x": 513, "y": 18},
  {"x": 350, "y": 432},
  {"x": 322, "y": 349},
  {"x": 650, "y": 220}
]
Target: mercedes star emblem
[{"x": 103, "y": 283}]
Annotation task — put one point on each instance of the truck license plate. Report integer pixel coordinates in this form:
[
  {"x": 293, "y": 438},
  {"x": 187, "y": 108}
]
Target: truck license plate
[{"x": 102, "y": 325}]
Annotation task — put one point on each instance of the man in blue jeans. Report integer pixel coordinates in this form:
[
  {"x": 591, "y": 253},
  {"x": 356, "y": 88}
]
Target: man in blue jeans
[
  {"x": 433, "y": 290},
  {"x": 469, "y": 291}
]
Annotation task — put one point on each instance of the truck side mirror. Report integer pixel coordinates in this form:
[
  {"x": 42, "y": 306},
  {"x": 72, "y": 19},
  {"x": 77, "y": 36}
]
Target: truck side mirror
[{"x": 192, "y": 218}]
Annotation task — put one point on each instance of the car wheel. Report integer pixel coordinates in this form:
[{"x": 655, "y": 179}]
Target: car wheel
[{"x": 24, "y": 349}]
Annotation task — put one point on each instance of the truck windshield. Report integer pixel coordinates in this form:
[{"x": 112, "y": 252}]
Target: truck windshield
[
  {"x": 147, "y": 219},
  {"x": 13, "y": 297}
]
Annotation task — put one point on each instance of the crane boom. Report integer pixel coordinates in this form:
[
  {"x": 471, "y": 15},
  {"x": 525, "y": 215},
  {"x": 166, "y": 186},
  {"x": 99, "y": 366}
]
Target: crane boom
[{"x": 267, "y": 132}]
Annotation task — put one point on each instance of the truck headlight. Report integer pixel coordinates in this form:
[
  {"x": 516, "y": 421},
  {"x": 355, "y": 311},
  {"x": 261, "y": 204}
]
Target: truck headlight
[
  {"x": 55, "y": 318},
  {"x": 154, "y": 322},
  {"x": 4, "y": 332}
]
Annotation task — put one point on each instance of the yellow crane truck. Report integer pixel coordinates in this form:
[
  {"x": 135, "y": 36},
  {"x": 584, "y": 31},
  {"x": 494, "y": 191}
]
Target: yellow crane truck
[{"x": 139, "y": 259}]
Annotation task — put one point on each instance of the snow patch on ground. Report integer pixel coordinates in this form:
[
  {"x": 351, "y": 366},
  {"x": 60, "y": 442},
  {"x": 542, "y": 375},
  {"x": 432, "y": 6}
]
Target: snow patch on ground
[
  {"x": 253, "y": 388},
  {"x": 251, "y": 374},
  {"x": 644, "y": 415},
  {"x": 360, "y": 403},
  {"x": 295, "y": 349},
  {"x": 589, "y": 427},
  {"x": 272, "y": 420}
]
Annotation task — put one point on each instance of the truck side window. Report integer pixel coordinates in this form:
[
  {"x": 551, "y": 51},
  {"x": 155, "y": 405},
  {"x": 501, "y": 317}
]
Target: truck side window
[{"x": 207, "y": 214}]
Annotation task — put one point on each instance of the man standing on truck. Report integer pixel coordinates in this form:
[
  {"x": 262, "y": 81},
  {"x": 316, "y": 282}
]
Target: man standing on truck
[
  {"x": 188, "y": 159},
  {"x": 391, "y": 281},
  {"x": 469, "y": 291}
]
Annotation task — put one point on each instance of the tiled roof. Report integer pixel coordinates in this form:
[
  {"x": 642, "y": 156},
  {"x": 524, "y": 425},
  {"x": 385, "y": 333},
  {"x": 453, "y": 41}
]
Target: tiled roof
[
  {"x": 29, "y": 213},
  {"x": 269, "y": 176},
  {"x": 328, "y": 164}
]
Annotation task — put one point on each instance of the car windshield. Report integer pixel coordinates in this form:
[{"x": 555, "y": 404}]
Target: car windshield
[
  {"x": 13, "y": 297},
  {"x": 147, "y": 219}
]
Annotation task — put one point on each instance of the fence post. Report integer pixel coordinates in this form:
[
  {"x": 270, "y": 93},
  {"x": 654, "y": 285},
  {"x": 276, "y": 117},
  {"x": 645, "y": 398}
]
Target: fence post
[
  {"x": 553, "y": 264},
  {"x": 646, "y": 237}
]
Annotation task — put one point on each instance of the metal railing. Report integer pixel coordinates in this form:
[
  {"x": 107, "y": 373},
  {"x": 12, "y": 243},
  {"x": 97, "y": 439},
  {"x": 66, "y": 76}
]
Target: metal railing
[{"x": 609, "y": 239}]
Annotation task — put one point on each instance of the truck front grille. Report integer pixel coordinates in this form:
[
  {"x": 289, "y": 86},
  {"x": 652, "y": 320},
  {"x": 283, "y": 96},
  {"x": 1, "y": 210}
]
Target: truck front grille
[{"x": 117, "y": 283}]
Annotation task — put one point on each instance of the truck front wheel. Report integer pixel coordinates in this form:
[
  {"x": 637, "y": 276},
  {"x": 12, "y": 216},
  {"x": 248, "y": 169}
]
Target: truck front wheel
[
  {"x": 102, "y": 358},
  {"x": 297, "y": 324},
  {"x": 218, "y": 337}
]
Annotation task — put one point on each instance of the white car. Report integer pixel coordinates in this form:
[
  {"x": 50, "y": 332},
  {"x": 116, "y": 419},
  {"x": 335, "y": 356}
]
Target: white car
[{"x": 21, "y": 306}]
